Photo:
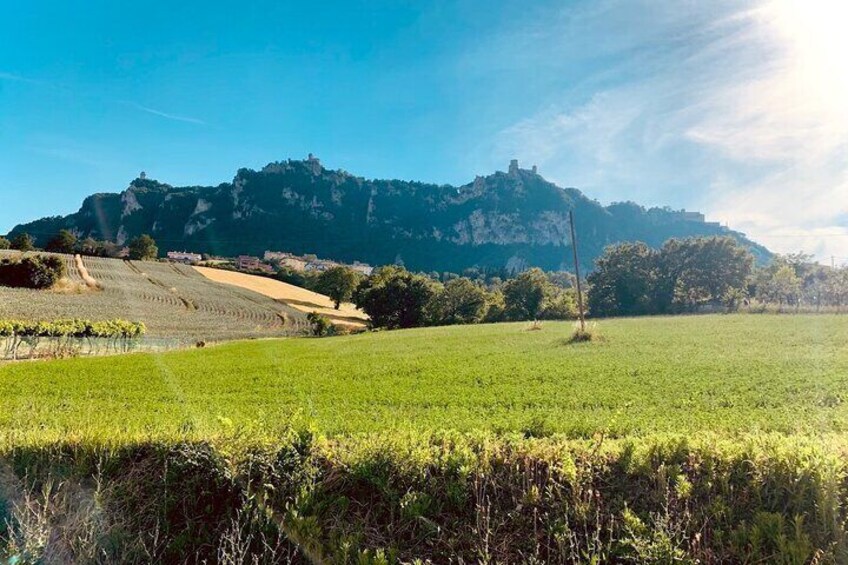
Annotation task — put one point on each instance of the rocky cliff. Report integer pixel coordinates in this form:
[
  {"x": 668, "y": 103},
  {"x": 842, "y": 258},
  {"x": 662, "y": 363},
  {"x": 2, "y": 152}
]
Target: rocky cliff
[{"x": 513, "y": 219}]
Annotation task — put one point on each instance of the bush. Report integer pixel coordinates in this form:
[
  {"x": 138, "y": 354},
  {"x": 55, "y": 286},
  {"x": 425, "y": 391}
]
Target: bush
[
  {"x": 320, "y": 325},
  {"x": 32, "y": 272}
]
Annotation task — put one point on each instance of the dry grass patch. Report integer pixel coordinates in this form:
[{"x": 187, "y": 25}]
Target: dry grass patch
[{"x": 294, "y": 296}]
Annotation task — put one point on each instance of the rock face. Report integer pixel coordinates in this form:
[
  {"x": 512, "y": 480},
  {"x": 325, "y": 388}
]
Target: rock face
[{"x": 504, "y": 220}]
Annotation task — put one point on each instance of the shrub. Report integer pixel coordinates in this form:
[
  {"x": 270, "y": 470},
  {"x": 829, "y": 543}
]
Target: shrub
[
  {"x": 320, "y": 325},
  {"x": 32, "y": 272}
]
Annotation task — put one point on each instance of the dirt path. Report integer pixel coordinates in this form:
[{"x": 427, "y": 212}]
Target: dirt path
[{"x": 294, "y": 296}]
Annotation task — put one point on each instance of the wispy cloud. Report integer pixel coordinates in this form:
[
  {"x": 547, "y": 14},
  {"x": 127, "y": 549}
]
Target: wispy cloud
[
  {"x": 740, "y": 112},
  {"x": 167, "y": 115},
  {"x": 13, "y": 77}
]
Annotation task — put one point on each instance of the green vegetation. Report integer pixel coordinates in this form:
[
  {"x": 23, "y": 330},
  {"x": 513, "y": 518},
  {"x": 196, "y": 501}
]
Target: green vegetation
[
  {"x": 143, "y": 248},
  {"x": 631, "y": 279},
  {"x": 722, "y": 373},
  {"x": 64, "y": 337},
  {"x": 395, "y": 298},
  {"x": 681, "y": 439},
  {"x": 62, "y": 242},
  {"x": 36, "y": 272},
  {"x": 338, "y": 283},
  {"x": 23, "y": 242},
  {"x": 395, "y": 498},
  {"x": 682, "y": 276}
]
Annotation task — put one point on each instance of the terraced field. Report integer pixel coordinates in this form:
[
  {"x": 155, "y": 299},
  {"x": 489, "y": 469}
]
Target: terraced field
[{"x": 174, "y": 301}]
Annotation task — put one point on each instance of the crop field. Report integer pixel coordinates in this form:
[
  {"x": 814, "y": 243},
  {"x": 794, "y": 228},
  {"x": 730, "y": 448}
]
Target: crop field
[
  {"x": 723, "y": 373},
  {"x": 174, "y": 301},
  {"x": 703, "y": 439},
  {"x": 299, "y": 298}
]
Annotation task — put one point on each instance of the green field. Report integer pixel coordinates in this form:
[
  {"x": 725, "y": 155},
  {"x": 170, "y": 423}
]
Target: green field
[
  {"x": 703, "y": 439},
  {"x": 723, "y": 373}
]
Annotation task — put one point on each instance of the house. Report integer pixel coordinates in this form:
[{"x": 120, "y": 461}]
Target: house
[
  {"x": 250, "y": 263},
  {"x": 184, "y": 257},
  {"x": 311, "y": 263}
]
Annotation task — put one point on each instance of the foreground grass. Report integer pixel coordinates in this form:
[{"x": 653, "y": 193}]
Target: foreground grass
[{"x": 724, "y": 374}]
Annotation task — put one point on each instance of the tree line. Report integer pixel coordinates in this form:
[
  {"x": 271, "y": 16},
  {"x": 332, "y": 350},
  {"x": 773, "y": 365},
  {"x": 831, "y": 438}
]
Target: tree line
[
  {"x": 393, "y": 297},
  {"x": 140, "y": 248},
  {"x": 629, "y": 279},
  {"x": 690, "y": 275}
]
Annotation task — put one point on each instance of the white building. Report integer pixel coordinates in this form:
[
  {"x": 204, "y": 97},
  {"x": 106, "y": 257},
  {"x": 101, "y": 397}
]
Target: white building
[{"x": 184, "y": 257}]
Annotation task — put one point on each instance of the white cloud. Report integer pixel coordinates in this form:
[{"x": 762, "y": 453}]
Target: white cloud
[
  {"x": 741, "y": 112},
  {"x": 162, "y": 114}
]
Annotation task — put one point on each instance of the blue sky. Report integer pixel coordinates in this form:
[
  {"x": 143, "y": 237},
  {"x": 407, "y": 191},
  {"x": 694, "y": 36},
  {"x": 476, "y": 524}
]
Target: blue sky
[{"x": 736, "y": 109}]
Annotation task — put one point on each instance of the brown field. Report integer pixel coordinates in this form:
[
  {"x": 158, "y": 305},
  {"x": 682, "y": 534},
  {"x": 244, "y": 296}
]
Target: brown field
[
  {"x": 294, "y": 296},
  {"x": 174, "y": 301}
]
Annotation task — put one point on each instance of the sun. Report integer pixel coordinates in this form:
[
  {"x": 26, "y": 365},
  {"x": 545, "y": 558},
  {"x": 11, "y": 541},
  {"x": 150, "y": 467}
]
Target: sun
[{"x": 814, "y": 34}]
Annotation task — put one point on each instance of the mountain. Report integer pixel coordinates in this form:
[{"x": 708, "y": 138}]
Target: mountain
[{"x": 514, "y": 219}]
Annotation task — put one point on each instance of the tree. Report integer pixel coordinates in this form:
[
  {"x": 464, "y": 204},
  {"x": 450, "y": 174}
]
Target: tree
[
  {"x": 23, "y": 242},
  {"x": 459, "y": 302},
  {"x": 701, "y": 270},
  {"x": 782, "y": 287},
  {"x": 62, "y": 242},
  {"x": 623, "y": 282},
  {"x": 525, "y": 294},
  {"x": 394, "y": 298},
  {"x": 836, "y": 287},
  {"x": 5, "y": 243},
  {"x": 338, "y": 283},
  {"x": 90, "y": 246},
  {"x": 143, "y": 248}
]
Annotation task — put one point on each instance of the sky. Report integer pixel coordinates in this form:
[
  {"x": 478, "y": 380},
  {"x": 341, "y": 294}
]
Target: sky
[{"x": 736, "y": 109}]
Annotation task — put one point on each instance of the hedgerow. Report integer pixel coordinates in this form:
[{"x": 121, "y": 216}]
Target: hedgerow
[
  {"x": 114, "y": 335},
  {"x": 431, "y": 498}
]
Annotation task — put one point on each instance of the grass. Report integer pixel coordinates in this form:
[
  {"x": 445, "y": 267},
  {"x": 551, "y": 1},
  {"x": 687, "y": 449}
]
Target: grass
[
  {"x": 726, "y": 374},
  {"x": 425, "y": 444}
]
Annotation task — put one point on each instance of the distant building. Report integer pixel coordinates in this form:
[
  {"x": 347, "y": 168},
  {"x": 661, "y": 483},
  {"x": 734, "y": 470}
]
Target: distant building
[
  {"x": 311, "y": 263},
  {"x": 513, "y": 167},
  {"x": 693, "y": 217},
  {"x": 184, "y": 257},
  {"x": 250, "y": 263}
]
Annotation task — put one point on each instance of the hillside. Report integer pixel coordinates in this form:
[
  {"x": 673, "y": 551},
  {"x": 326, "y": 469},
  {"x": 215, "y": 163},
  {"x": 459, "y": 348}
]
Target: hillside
[
  {"x": 294, "y": 296},
  {"x": 177, "y": 304},
  {"x": 504, "y": 220}
]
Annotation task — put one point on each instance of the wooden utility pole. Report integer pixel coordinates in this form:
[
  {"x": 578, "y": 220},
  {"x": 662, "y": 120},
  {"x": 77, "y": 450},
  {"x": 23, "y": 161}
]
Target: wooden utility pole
[{"x": 577, "y": 272}]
